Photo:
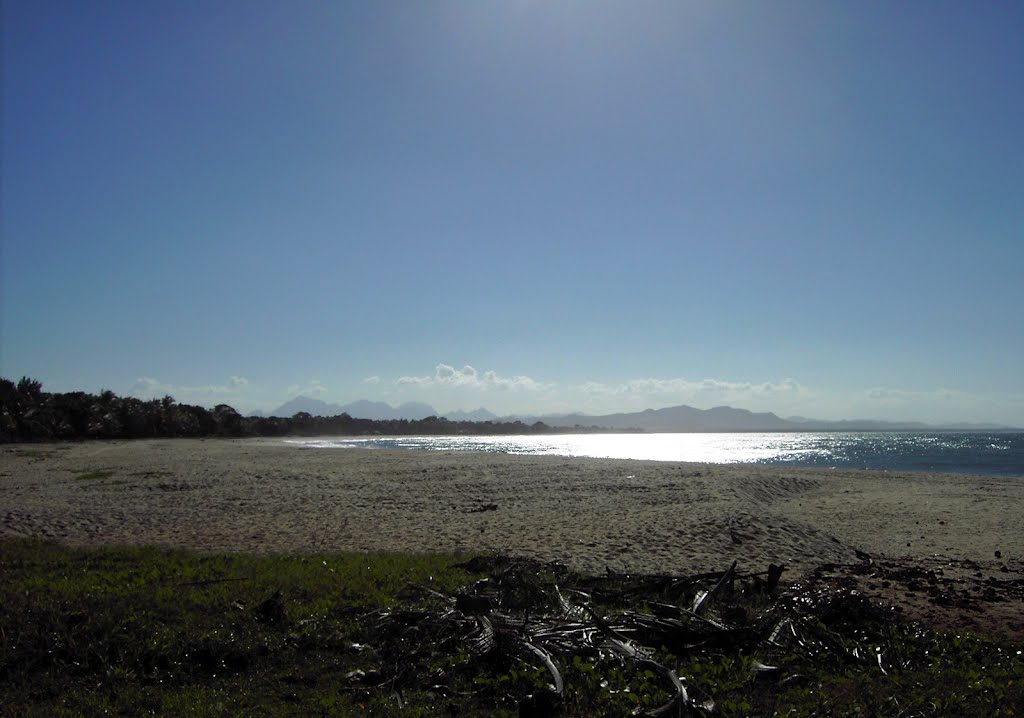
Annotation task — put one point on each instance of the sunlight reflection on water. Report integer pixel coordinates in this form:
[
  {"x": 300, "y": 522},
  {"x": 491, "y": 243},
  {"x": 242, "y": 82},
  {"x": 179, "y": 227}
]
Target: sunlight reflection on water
[
  {"x": 976, "y": 453},
  {"x": 703, "y": 448}
]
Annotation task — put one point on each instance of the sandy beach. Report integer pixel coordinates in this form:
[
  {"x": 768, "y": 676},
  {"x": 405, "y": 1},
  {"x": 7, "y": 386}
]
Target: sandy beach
[
  {"x": 945, "y": 549},
  {"x": 592, "y": 514}
]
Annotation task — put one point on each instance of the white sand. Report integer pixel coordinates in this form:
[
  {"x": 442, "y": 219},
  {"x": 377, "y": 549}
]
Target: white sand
[{"x": 265, "y": 496}]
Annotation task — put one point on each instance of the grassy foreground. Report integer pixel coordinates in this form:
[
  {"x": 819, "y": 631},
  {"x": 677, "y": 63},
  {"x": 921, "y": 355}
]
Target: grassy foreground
[{"x": 149, "y": 632}]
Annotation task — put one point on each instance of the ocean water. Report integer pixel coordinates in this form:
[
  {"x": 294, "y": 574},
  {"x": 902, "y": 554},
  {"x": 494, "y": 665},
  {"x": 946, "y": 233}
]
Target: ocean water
[{"x": 994, "y": 454}]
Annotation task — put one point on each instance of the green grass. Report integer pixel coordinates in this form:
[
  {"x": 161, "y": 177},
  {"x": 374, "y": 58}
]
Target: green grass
[
  {"x": 140, "y": 631},
  {"x": 87, "y": 632}
]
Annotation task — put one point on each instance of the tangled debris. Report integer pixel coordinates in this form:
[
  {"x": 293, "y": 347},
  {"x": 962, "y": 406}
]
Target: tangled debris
[
  {"x": 547, "y": 625},
  {"x": 138, "y": 630},
  {"x": 943, "y": 593}
]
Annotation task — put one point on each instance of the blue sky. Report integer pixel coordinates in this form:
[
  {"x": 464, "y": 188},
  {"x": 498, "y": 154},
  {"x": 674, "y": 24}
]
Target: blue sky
[{"x": 813, "y": 208}]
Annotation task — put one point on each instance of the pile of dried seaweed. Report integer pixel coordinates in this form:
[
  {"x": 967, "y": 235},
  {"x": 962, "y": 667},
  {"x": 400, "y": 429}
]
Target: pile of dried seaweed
[{"x": 535, "y": 636}]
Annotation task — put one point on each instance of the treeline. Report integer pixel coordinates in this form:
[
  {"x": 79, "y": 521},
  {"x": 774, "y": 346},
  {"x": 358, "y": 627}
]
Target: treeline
[{"x": 27, "y": 413}]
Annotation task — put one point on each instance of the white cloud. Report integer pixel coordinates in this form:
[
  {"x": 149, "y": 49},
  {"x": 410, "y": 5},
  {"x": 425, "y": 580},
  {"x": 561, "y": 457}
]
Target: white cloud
[
  {"x": 893, "y": 397},
  {"x": 150, "y": 388},
  {"x": 785, "y": 397},
  {"x": 314, "y": 388},
  {"x": 697, "y": 391},
  {"x": 788, "y": 397},
  {"x": 446, "y": 376},
  {"x": 936, "y": 405}
]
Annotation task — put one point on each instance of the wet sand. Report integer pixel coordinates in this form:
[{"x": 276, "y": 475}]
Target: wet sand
[{"x": 265, "y": 496}]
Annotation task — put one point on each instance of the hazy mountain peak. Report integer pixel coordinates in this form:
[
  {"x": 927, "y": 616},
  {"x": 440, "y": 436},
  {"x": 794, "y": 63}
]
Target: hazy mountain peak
[
  {"x": 681, "y": 418},
  {"x": 480, "y": 414},
  {"x": 361, "y": 409},
  {"x": 316, "y": 407}
]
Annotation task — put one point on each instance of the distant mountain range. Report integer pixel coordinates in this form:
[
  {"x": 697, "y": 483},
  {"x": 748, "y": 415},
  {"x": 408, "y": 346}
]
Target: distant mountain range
[
  {"x": 726, "y": 418},
  {"x": 480, "y": 414},
  {"x": 670, "y": 419},
  {"x": 362, "y": 409}
]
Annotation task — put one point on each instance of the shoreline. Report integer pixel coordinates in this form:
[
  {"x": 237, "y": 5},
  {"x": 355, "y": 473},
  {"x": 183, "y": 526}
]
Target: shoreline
[
  {"x": 534, "y": 445},
  {"x": 944, "y": 549},
  {"x": 266, "y": 496}
]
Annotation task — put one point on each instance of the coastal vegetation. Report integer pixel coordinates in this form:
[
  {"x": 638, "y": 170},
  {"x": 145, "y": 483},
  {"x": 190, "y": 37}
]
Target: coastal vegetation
[
  {"x": 145, "y": 631},
  {"x": 27, "y": 413}
]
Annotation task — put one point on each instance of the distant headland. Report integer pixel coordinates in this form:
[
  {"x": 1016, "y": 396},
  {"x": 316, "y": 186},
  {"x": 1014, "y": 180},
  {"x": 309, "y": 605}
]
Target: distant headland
[
  {"x": 27, "y": 413},
  {"x": 680, "y": 418}
]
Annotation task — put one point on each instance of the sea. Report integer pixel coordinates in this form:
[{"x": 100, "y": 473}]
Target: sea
[{"x": 979, "y": 453}]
